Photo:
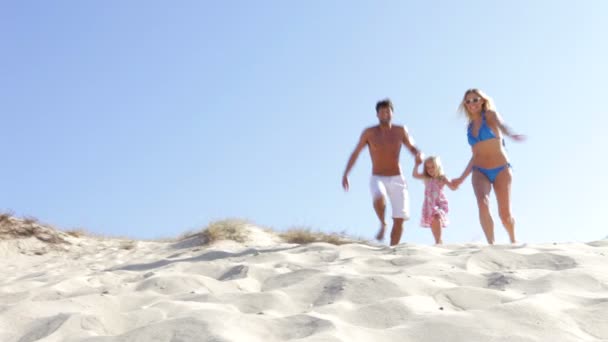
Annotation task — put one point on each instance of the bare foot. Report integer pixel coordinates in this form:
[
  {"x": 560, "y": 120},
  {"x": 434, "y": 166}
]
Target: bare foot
[{"x": 380, "y": 235}]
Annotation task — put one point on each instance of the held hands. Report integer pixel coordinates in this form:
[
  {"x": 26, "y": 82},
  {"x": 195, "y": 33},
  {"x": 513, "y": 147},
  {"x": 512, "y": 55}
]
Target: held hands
[
  {"x": 457, "y": 181},
  {"x": 345, "y": 182},
  {"x": 419, "y": 157}
]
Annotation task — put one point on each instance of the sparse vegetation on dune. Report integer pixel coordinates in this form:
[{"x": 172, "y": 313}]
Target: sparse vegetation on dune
[
  {"x": 231, "y": 229},
  {"x": 306, "y": 235},
  {"x": 14, "y": 228},
  {"x": 237, "y": 230},
  {"x": 78, "y": 232},
  {"x": 83, "y": 232},
  {"x": 228, "y": 229}
]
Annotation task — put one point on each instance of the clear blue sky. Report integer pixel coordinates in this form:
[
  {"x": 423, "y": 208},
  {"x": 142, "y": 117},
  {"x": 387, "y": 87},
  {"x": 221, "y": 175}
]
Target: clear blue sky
[{"x": 147, "y": 119}]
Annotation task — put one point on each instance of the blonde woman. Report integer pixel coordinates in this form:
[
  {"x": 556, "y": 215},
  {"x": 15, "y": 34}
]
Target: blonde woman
[
  {"x": 435, "y": 206},
  {"x": 489, "y": 164}
]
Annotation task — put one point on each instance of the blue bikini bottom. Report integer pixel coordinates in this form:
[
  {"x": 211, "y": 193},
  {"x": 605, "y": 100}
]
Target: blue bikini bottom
[{"x": 491, "y": 173}]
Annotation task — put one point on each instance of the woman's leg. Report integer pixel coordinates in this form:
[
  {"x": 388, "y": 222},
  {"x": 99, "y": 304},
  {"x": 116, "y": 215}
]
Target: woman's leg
[
  {"x": 502, "y": 189},
  {"x": 482, "y": 188}
]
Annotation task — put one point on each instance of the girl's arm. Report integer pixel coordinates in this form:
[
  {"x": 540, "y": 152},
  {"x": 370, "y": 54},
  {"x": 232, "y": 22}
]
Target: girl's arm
[{"x": 415, "y": 172}]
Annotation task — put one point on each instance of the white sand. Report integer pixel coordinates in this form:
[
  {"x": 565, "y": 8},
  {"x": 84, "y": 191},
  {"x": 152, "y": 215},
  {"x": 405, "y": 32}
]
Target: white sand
[{"x": 111, "y": 290}]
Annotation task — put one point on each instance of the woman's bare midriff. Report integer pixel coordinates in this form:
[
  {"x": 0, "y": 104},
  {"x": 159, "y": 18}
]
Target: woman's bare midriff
[{"x": 489, "y": 154}]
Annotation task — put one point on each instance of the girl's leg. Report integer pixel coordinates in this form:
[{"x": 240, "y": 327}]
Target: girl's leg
[
  {"x": 482, "y": 188},
  {"x": 502, "y": 189},
  {"x": 436, "y": 229}
]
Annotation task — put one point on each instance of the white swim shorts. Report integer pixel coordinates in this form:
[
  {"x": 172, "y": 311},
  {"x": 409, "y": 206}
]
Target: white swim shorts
[{"x": 395, "y": 189}]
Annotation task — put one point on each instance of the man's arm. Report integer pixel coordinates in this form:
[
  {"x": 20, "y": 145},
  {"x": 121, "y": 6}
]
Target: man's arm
[
  {"x": 353, "y": 157},
  {"x": 408, "y": 141},
  {"x": 415, "y": 172}
]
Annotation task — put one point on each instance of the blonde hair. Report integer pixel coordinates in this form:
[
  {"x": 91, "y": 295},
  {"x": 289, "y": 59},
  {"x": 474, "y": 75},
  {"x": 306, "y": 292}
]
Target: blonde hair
[
  {"x": 488, "y": 103},
  {"x": 437, "y": 162}
]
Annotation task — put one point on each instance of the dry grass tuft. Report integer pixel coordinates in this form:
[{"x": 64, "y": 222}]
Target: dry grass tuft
[
  {"x": 83, "y": 232},
  {"x": 15, "y": 228},
  {"x": 306, "y": 235},
  {"x": 229, "y": 229},
  {"x": 30, "y": 220},
  {"x": 128, "y": 245},
  {"x": 4, "y": 217},
  {"x": 79, "y": 232},
  {"x": 186, "y": 235}
]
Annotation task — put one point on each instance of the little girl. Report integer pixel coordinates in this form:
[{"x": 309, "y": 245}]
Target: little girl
[{"x": 435, "y": 207}]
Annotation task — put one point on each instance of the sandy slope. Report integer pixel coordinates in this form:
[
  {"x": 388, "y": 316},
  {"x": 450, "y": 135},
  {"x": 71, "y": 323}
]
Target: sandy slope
[{"x": 113, "y": 290}]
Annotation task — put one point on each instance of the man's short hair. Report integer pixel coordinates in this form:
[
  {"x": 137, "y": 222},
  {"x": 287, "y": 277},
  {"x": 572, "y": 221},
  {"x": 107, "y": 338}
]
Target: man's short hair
[{"x": 386, "y": 103}]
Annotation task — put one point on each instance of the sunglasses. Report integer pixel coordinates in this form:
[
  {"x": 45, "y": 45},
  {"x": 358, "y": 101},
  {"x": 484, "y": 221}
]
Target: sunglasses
[{"x": 473, "y": 100}]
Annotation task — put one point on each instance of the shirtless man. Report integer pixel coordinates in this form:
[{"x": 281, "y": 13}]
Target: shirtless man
[{"x": 384, "y": 142}]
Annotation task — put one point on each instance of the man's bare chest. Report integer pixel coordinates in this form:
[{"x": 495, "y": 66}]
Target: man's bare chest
[{"x": 385, "y": 141}]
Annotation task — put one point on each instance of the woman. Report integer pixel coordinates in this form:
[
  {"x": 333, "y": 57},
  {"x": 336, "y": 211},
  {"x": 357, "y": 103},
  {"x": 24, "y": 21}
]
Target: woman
[{"x": 489, "y": 163}]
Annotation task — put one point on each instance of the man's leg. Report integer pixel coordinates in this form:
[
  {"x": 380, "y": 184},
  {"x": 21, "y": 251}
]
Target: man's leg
[
  {"x": 397, "y": 231},
  {"x": 378, "y": 191},
  {"x": 397, "y": 192},
  {"x": 380, "y": 208}
]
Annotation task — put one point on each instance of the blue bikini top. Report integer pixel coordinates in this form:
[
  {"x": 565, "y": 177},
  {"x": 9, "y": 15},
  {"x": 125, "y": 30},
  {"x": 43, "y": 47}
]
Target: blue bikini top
[{"x": 485, "y": 133}]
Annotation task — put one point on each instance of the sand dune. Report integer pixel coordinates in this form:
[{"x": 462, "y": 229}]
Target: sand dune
[{"x": 92, "y": 289}]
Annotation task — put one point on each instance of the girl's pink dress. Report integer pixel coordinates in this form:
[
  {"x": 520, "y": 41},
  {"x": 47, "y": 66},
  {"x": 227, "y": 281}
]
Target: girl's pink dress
[{"x": 435, "y": 203}]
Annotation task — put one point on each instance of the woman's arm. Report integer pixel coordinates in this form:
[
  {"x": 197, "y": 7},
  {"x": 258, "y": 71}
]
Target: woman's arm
[
  {"x": 467, "y": 171},
  {"x": 497, "y": 119},
  {"x": 450, "y": 183}
]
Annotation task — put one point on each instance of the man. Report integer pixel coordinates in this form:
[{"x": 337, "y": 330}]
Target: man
[{"x": 384, "y": 143}]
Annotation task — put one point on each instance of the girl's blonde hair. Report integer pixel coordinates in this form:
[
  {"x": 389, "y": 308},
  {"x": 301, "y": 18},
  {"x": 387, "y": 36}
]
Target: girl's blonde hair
[
  {"x": 437, "y": 162},
  {"x": 488, "y": 103}
]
